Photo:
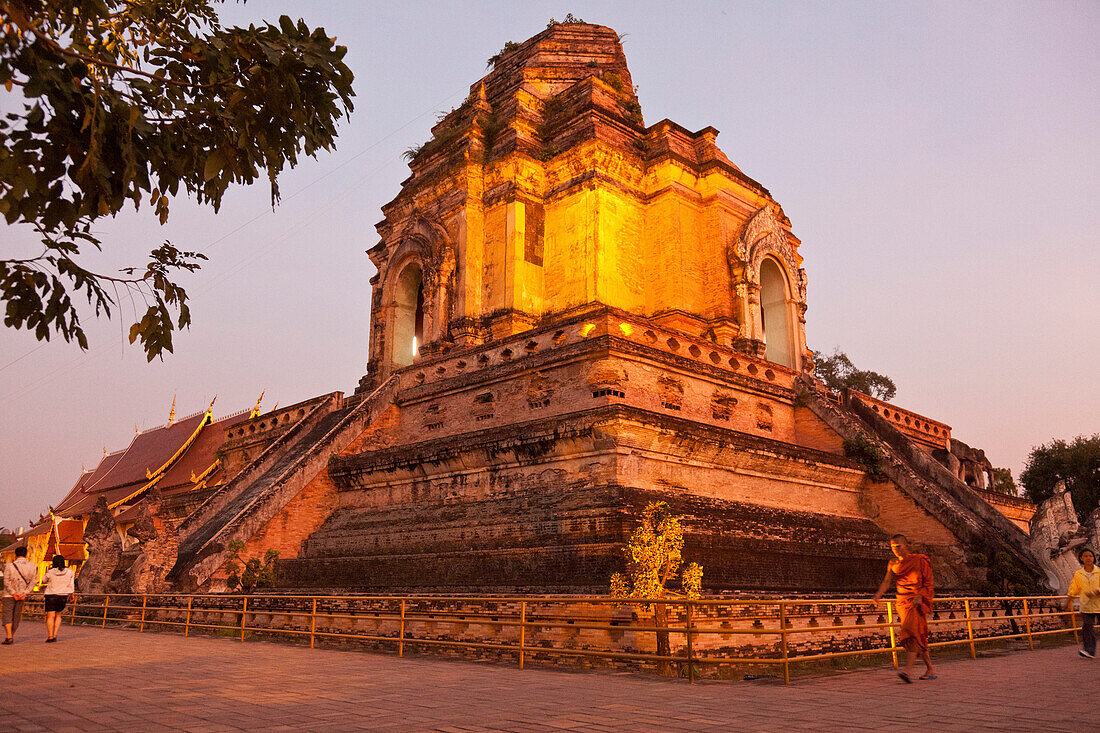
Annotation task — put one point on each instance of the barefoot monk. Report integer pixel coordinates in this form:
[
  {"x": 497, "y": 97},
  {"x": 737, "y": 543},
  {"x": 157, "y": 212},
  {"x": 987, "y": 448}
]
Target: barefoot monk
[{"x": 913, "y": 575}]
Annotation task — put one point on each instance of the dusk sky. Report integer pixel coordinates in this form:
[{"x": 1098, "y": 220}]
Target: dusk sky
[{"x": 939, "y": 161}]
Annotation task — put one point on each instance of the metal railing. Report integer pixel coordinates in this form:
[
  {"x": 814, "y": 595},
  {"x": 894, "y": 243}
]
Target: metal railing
[{"x": 708, "y": 632}]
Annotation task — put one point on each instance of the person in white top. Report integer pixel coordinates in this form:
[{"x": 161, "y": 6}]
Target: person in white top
[
  {"x": 60, "y": 587},
  {"x": 19, "y": 579},
  {"x": 1086, "y": 586}
]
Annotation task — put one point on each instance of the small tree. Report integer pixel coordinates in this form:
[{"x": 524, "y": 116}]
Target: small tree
[
  {"x": 1007, "y": 578},
  {"x": 839, "y": 373},
  {"x": 1003, "y": 482},
  {"x": 654, "y": 554},
  {"x": 245, "y": 576}
]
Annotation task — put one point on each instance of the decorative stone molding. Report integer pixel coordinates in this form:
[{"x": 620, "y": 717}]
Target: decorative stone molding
[
  {"x": 539, "y": 390},
  {"x": 765, "y": 420},
  {"x": 671, "y": 392},
  {"x": 722, "y": 403},
  {"x": 764, "y": 233}
]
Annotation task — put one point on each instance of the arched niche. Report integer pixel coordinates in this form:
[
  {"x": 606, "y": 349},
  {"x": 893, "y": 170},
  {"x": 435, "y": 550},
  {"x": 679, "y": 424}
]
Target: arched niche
[
  {"x": 408, "y": 315},
  {"x": 776, "y": 317}
]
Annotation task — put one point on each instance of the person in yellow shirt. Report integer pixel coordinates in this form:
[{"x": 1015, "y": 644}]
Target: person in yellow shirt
[{"x": 1086, "y": 585}]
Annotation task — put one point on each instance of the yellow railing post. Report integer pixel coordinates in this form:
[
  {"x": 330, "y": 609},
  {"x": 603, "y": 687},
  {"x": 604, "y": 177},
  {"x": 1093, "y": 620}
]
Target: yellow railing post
[
  {"x": 244, "y": 615},
  {"x": 970, "y": 630},
  {"x": 1027, "y": 622},
  {"x": 313, "y": 624},
  {"x": 72, "y": 611},
  {"x": 144, "y": 602},
  {"x": 187, "y": 621},
  {"x": 522, "y": 630},
  {"x": 783, "y": 642},
  {"x": 893, "y": 635},
  {"x": 106, "y": 602},
  {"x": 401, "y": 632},
  {"x": 690, "y": 653}
]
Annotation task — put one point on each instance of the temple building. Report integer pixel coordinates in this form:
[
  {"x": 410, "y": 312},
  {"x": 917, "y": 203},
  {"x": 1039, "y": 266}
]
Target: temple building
[
  {"x": 576, "y": 313},
  {"x": 175, "y": 466}
]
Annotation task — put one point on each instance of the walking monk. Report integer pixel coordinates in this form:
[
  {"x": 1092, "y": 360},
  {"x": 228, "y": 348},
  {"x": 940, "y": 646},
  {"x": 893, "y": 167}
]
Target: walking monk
[{"x": 913, "y": 574}]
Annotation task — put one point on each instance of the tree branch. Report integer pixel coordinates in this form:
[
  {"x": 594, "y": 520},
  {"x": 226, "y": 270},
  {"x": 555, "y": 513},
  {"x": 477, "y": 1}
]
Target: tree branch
[{"x": 26, "y": 25}]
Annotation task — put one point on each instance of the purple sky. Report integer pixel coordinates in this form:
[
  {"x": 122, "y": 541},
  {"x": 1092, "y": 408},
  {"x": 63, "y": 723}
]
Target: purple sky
[{"x": 939, "y": 162}]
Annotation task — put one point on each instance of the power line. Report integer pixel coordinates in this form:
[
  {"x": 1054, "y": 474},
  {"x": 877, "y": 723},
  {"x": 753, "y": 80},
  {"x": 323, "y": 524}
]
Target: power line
[{"x": 21, "y": 358}]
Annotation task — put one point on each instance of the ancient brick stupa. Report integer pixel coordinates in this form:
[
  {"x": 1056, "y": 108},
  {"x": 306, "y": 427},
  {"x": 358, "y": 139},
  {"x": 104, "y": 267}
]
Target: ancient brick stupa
[
  {"x": 579, "y": 313},
  {"x": 575, "y": 314}
]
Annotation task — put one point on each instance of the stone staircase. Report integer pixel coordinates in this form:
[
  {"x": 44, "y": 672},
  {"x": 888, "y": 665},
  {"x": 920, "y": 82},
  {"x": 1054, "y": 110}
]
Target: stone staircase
[
  {"x": 932, "y": 487},
  {"x": 243, "y": 506}
]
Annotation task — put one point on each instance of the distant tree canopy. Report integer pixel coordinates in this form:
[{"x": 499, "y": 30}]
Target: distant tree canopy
[
  {"x": 1076, "y": 462},
  {"x": 1003, "y": 482},
  {"x": 839, "y": 373},
  {"x": 125, "y": 102}
]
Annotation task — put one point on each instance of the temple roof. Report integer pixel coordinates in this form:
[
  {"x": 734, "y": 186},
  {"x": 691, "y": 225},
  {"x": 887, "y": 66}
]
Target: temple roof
[
  {"x": 167, "y": 455},
  {"x": 200, "y": 457}
]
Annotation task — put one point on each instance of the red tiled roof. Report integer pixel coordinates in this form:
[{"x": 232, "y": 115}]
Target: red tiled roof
[
  {"x": 123, "y": 472},
  {"x": 89, "y": 478},
  {"x": 148, "y": 452},
  {"x": 199, "y": 456}
]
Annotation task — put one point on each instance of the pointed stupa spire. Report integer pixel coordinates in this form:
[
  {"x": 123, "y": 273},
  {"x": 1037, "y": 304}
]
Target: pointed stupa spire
[{"x": 256, "y": 410}]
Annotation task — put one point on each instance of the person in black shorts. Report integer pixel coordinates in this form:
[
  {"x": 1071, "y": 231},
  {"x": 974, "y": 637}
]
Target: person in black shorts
[{"x": 60, "y": 587}]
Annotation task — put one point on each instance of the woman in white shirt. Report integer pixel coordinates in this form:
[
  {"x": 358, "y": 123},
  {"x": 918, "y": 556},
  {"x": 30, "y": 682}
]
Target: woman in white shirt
[{"x": 60, "y": 588}]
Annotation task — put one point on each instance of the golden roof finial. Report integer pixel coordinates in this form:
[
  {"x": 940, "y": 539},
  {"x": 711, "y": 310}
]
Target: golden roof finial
[
  {"x": 172, "y": 412},
  {"x": 256, "y": 410}
]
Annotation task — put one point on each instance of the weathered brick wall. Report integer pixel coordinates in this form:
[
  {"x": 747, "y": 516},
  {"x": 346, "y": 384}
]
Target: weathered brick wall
[
  {"x": 812, "y": 432},
  {"x": 302, "y": 515}
]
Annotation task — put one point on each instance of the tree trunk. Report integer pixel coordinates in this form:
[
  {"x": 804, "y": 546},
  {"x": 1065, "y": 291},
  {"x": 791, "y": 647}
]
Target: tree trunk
[{"x": 660, "y": 619}]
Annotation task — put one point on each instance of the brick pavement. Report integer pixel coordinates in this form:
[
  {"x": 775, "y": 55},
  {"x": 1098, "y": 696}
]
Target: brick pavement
[{"x": 96, "y": 679}]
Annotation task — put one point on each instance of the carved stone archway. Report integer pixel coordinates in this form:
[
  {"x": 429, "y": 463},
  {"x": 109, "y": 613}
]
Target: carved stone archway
[
  {"x": 416, "y": 303},
  {"x": 766, "y": 235}
]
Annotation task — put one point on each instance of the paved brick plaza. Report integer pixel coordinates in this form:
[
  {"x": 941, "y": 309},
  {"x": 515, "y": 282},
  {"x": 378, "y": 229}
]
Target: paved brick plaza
[{"x": 97, "y": 679}]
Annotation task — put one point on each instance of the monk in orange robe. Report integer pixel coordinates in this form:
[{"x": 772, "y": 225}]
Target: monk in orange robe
[{"x": 913, "y": 575}]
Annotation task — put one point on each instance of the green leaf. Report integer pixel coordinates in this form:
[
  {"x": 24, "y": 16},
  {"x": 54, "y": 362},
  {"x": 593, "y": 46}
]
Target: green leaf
[{"x": 81, "y": 147}]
